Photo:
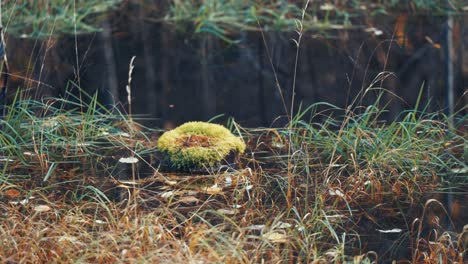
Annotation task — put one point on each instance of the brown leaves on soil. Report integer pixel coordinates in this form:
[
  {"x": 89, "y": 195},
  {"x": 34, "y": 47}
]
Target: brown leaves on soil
[{"x": 12, "y": 193}]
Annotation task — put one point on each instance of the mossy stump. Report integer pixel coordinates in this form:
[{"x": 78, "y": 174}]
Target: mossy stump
[{"x": 199, "y": 146}]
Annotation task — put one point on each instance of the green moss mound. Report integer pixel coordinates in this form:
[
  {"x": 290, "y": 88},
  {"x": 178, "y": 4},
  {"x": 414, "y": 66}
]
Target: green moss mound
[{"x": 197, "y": 145}]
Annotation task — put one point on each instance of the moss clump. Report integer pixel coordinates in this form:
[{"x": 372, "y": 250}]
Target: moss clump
[{"x": 196, "y": 145}]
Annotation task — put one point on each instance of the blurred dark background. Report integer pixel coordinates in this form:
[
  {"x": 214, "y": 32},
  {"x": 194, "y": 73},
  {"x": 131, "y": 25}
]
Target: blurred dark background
[{"x": 180, "y": 75}]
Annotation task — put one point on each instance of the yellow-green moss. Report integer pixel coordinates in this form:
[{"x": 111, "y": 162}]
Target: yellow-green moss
[{"x": 199, "y": 145}]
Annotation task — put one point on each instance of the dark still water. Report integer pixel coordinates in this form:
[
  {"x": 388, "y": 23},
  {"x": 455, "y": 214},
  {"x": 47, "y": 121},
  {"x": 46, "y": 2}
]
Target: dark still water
[{"x": 181, "y": 76}]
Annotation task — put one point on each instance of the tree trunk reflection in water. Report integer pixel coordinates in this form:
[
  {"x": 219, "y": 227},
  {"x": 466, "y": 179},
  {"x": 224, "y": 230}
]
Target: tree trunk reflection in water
[
  {"x": 110, "y": 90},
  {"x": 164, "y": 73},
  {"x": 148, "y": 68},
  {"x": 208, "y": 87},
  {"x": 180, "y": 76}
]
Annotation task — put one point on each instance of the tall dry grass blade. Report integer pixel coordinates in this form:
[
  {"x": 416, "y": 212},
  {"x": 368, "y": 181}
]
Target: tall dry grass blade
[{"x": 128, "y": 88}]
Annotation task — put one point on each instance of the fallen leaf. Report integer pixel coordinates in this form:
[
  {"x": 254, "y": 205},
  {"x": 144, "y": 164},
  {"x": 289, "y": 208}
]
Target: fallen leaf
[
  {"x": 189, "y": 199},
  {"x": 68, "y": 238},
  {"x": 228, "y": 180},
  {"x": 122, "y": 134},
  {"x": 23, "y": 202},
  {"x": 278, "y": 145},
  {"x": 227, "y": 211},
  {"x": 283, "y": 225},
  {"x": 167, "y": 194},
  {"x": 373, "y": 30},
  {"x": 460, "y": 170},
  {"x": 190, "y": 192},
  {"x": 42, "y": 208},
  {"x": 276, "y": 237},
  {"x": 128, "y": 160},
  {"x": 125, "y": 134},
  {"x": 213, "y": 190},
  {"x": 255, "y": 227},
  {"x": 327, "y": 7},
  {"x": 335, "y": 192},
  {"x": 171, "y": 183},
  {"x": 12, "y": 193},
  {"x": 71, "y": 239}
]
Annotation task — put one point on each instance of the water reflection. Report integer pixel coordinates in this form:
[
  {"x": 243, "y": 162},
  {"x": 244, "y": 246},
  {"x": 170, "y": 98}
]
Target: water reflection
[{"x": 179, "y": 76}]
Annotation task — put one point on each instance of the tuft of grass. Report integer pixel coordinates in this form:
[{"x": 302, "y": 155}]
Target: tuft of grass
[
  {"x": 39, "y": 19},
  {"x": 227, "y": 17}
]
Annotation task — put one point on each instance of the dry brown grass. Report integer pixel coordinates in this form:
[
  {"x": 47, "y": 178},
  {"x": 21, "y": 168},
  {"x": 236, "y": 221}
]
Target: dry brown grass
[{"x": 300, "y": 194}]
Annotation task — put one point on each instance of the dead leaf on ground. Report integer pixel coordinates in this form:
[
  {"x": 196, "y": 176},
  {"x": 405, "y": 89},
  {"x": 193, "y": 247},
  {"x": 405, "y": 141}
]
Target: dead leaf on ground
[
  {"x": 171, "y": 183},
  {"x": 22, "y": 202},
  {"x": 12, "y": 193},
  {"x": 213, "y": 190},
  {"x": 167, "y": 195},
  {"x": 283, "y": 225},
  {"x": 42, "y": 208},
  {"x": 189, "y": 199},
  {"x": 129, "y": 160},
  {"x": 100, "y": 222},
  {"x": 276, "y": 237},
  {"x": 256, "y": 227},
  {"x": 227, "y": 211},
  {"x": 335, "y": 192}
]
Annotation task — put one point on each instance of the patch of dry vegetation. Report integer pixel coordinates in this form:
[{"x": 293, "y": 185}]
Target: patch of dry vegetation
[{"x": 357, "y": 185}]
